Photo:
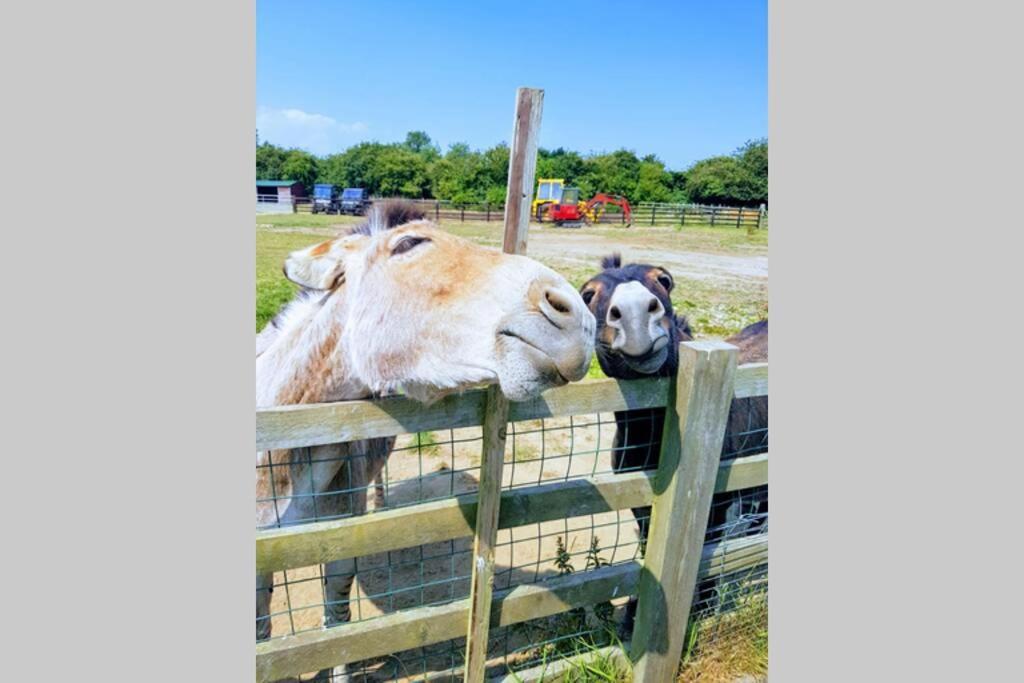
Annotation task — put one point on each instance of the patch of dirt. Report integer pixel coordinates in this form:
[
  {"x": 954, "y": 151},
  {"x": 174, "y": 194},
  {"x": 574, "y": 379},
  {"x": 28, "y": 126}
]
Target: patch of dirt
[{"x": 587, "y": 249}]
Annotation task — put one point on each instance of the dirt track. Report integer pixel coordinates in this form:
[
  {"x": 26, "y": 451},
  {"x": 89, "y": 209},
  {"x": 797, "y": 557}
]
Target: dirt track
[{"x": 587, "y": 249}]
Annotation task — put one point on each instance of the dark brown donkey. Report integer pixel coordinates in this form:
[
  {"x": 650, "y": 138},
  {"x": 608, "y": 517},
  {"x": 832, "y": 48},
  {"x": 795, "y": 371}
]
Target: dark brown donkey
[{"x": 638, "y": 335}]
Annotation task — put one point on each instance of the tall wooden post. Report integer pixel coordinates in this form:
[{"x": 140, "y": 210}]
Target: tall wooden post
[
  {"x": 521, "y": 170},
  {"x": 695, "y": 422}
]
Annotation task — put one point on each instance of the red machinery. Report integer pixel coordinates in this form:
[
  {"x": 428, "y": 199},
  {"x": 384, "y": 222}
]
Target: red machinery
[
  {"x": 570, "y": 211},
  {"x": 596, "y": 206}
]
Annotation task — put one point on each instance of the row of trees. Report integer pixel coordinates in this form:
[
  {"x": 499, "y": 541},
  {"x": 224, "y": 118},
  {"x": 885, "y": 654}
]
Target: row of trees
[{"x": 417, "y": 168}]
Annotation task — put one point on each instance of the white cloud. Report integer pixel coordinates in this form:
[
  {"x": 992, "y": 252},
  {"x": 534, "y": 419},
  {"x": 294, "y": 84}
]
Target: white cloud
[{"x": 316, "y": 133}]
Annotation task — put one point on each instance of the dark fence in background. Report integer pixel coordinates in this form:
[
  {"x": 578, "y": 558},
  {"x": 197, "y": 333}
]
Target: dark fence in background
[{"x": 644, "y": 213}]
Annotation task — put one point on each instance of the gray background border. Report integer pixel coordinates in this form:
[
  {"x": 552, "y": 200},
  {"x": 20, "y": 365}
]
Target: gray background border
[
  {"x": 129, "y": 360},
  {"x": 893, "y": 399}
]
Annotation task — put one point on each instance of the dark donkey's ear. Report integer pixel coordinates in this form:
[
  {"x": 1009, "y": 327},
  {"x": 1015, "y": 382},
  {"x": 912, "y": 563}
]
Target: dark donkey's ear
[
  {"x": 664, "y": 278},
  {"x": 611, "y": 261}
]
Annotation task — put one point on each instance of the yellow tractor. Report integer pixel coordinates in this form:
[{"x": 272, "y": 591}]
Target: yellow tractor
[
  {"x": 563, "y": 206},
  {"x": 549, "y": 191}
]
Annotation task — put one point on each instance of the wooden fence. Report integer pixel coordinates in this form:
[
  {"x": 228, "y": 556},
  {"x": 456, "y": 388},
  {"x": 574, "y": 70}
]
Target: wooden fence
[
  {"x": 644, "y": 214},
  {"x": 680, "y": 491}
]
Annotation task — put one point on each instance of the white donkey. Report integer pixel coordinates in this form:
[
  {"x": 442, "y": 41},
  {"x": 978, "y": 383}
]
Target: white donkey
[{"x": 399, "y": 305}]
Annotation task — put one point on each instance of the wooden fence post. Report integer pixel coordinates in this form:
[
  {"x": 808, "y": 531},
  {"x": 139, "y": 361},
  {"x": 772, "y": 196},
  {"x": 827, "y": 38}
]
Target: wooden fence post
[
  {"x": 695, "y": 423},
  {"x": 521, "y": 170},
  {"x": 714, "y": 212},
  {"x": 739, "y": 217},
  {"x": 481, "y": 586},
  {"x": 437, "y": 212},
  {"x": 654, "y": 210},
  {"x": 682, "y": 217}
]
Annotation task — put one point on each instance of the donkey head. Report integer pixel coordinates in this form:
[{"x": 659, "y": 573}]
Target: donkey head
[
  {"x": 429, "y": 312},
  {"x": 637, "y": 332}
]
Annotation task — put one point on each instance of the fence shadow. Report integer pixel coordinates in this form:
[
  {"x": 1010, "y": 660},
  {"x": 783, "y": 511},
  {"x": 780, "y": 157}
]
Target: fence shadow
[{"x": 438, "y": 573}]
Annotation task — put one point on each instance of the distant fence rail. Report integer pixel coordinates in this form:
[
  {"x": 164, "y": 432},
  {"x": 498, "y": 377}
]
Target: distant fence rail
[
  {"x": 689, "y": 473},
  {"x": 644, "y": 213}
]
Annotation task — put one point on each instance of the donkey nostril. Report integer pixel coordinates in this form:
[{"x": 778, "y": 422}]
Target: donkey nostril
[
  {"x": 557, "y": 302},
  {"x": 615, "y": 313},
  {"x": 653, "y": 307}
]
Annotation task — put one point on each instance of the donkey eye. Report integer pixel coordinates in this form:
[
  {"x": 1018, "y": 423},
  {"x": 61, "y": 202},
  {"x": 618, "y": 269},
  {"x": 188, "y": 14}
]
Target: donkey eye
[{"x": 407, "y": 243}]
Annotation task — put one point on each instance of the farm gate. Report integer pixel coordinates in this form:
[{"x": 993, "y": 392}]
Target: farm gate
[{"x": 545, "y": 521}]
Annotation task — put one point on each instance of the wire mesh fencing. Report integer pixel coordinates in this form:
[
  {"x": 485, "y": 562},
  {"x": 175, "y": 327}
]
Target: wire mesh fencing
[
  {"x": 727, "y": 634},
  {"x": 436, "y": 465}
]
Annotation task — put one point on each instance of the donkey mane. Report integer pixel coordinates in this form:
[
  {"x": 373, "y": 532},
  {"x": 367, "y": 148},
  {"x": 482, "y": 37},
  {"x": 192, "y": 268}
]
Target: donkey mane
[{"x": 388, "y": 215}]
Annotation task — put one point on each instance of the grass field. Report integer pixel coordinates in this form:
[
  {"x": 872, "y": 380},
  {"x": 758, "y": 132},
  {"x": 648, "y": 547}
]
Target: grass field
[{"x": 721, "y": 273}]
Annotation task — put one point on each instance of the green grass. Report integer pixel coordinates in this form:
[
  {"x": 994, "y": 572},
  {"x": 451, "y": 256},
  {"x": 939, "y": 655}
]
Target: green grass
[
  {"x": 272, "y": 289},
  {"x": 303, "y": 220},
  {"x": 722, "y": 647},
  {"x": 598, "y": 667},
  {"x": 427, "y": 443},
  {"x": 714, "y": 308}
]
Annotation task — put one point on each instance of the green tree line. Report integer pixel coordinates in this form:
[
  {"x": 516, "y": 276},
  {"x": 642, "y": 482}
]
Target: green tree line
[{"x": 417, "y": 168}]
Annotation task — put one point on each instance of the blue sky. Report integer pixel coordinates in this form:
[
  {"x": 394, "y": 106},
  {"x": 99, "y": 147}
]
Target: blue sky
[{"x": 682, "y": 80}]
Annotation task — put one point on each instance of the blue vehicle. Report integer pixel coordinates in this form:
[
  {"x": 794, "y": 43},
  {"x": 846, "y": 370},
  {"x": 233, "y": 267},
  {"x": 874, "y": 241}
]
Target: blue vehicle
[
  {"x": 354, "y": 200},
  {"x": 325, "y": 199}
]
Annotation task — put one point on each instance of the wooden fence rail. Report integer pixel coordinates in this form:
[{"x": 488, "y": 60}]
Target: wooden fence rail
[
  {"x": 422, "y": 626},
  {"x": 452, "y": 518},
  {"x": 322, "y": 423}
]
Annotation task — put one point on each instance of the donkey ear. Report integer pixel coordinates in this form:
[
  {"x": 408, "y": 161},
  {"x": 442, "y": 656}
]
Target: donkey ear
[{"x": 315, "y": 267}]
